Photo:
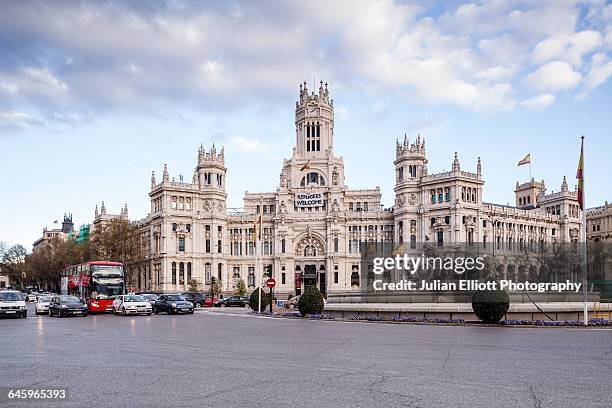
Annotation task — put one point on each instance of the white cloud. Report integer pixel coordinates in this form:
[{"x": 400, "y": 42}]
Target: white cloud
[
  {"x": 122, "y": 56},
  {"x": 601, "y": 70},
  {"x": 554, "y": 76},
  {"x": 16, "y": 119},
  {"x": 550, "y": 48},
  {"x": 250, "y": 145},
  {"x": 45, "y": 78},
  {"x": 539, "y": 102}
]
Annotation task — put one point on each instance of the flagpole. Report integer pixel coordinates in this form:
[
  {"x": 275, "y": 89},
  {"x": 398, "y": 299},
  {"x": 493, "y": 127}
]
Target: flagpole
[
  {"x": 257, "y": 254},
  {"x": 530, "y": 169},
  {"x": 584, "y": 241}
]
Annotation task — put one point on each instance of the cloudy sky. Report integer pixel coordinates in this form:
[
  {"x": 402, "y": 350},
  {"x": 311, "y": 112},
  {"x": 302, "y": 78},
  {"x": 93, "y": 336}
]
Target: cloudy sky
[{"x": 96, "y": 95}]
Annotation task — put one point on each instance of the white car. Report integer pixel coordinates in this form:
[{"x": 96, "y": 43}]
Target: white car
[
  {"x": 12, "y": 304},
  {"x": 42, "y": 304},
  {"x": 131, "y": 304},
  {"x": 32, "y": 297}
]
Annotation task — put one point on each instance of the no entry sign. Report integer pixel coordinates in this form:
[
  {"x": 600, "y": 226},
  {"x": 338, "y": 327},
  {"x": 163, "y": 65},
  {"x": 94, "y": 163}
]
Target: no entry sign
[{"x": 271, "y": 283}]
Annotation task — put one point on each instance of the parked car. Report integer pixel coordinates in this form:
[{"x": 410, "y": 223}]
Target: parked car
[
  {"x": 149, "y": 297},
  {"x": 172, "y": 304},
  {"x": 32, "y": 296},
  {"x": 210, "y": 301},
  {"x": 66, "y": 306},
  {"x": 12, "y": 304},
  {"x": 131, "y": 304},
  {"x": 235, "y": 301},
  {"x": 42, "y": 305},
  {"x": 196, "y": 298}
]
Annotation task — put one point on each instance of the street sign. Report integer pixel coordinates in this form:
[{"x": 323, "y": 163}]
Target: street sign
[{"x": 271, "y": 283}]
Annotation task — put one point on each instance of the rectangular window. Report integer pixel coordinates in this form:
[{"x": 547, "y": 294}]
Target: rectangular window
[
  {"x": 335, "y": 244},
  {"x": 283, "y": 278},
  {"x": 283, "y": 245},
  {"x": 335, "y": 276},
  {"x": 219, "y": 247},
  {"x": 208, "y": 246},
  {"x": 181, "y": 244}
]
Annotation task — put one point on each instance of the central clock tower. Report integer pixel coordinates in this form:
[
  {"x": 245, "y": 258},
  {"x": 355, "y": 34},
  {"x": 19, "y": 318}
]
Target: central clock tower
[{"x": 314, "y": 122}]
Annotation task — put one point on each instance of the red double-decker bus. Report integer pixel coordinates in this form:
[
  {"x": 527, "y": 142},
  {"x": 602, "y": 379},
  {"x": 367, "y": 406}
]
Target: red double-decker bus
[{"x": 95, "y": 282}]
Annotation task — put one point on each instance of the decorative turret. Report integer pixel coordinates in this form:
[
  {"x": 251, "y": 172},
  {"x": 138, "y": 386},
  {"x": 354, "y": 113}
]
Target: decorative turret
[
  {"x": 67, "y": 225},
  {"x": 456, "y": 165},
  {"x": 153, "y": 179},
  {"x": 210, "y": 171},
  {"x": 102, "y": 209},
  {"x": 405, "y": 148},
  {"x": 479, "y": 167},
  {"x": 96, "y": 212},
  {"x": 410, "y": 162},
  {"x": 166, "y": 175},
  {"x": 314, "y": 122},
  {"x": 564, "y": 184}
]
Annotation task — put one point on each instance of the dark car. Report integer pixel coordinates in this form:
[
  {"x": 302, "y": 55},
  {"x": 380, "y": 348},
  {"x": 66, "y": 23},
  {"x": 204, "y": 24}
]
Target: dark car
[
  {"x": 196, "y": 298},
  {"x": 172, "y": 304},
  {"x": 233, "y": 301},
  {"x": 67, "y": 306}
]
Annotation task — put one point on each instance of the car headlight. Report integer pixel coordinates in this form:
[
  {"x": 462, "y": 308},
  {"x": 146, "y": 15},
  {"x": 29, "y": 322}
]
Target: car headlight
[
  {"x": 22, "y": 307},
  {"x": 173, "y": 305},
  {"x": 64, "y": 307}
]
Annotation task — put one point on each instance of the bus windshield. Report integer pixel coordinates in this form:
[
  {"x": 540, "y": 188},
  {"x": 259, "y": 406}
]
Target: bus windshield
[
  {"x": 107, "y": 271},
  {"x": 106, "y": 281}
]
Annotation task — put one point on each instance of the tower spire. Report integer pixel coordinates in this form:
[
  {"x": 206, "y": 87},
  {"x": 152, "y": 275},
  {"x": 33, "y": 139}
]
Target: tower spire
[
  {"x": 456, "y": 165},
  {"x": 166, "y": 175}
]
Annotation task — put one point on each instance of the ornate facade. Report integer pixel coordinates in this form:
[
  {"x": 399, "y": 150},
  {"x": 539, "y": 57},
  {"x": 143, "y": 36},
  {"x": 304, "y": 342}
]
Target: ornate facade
[{"x": 313, "y": 222}]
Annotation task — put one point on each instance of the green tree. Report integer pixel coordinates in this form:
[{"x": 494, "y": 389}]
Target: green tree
[
  {"x": 120, "y": 241},
  {"x": 194, "y": 285},
  {"x": 14, "y": 263},
  {"x": 241, "y": 288}
]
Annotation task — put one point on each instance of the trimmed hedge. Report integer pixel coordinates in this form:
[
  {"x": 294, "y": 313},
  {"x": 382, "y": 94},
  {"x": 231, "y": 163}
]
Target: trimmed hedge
[
  {"x": 311, "y": 302},
  {"x": 490, "y": 305},
  {"x": 254, "y": 300}
]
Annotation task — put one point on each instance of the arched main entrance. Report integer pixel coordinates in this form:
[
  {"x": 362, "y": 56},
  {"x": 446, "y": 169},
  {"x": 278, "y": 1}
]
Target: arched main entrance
[{"x": 310, "y": 264}]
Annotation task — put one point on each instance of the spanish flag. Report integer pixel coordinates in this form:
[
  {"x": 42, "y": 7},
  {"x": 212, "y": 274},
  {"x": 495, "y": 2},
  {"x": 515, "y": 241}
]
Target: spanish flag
[
  {"x": 256, "y": 226},
  {"x": 305, "y": 166},
  {"x": 526, "y": 160},
  {"x": 580, "y": 176}
]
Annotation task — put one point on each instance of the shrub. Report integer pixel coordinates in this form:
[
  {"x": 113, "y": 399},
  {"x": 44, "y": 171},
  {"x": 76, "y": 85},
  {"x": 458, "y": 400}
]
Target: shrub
[
  {"x": 254, "y": 300},
  {"x": 311, "y": 302},
  {"x": 490, "y": 305}
]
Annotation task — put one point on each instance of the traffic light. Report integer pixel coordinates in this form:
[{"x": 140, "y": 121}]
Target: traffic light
[
  {"x": 213, "y": 280},
  {"x": 269, "y": 270}
]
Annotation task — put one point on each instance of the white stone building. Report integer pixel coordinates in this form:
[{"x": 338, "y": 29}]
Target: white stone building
[{"x": 313, "y": 222}]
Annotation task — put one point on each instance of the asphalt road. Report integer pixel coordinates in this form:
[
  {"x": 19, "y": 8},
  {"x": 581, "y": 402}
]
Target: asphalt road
[{"x": 227, "y": 358}]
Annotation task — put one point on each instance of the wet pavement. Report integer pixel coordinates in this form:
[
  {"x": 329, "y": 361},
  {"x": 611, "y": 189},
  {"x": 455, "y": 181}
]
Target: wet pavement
[{"x": 229, "y": 358}]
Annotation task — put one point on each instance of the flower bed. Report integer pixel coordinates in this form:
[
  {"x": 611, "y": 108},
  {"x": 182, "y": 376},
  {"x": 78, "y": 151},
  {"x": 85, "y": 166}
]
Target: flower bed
[
  {"x": 592, "y": 322},
  {"x": 311, "y": 316},
  {"x": 406, "y": 319}
]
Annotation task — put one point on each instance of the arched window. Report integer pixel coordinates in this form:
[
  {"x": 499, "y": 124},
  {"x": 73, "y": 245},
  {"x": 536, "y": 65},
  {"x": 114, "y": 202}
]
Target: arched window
[
  {"x": 312, "y": 178},
  {"x": 355, "y": 277},
  {"x": 251, "y": 279}
]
